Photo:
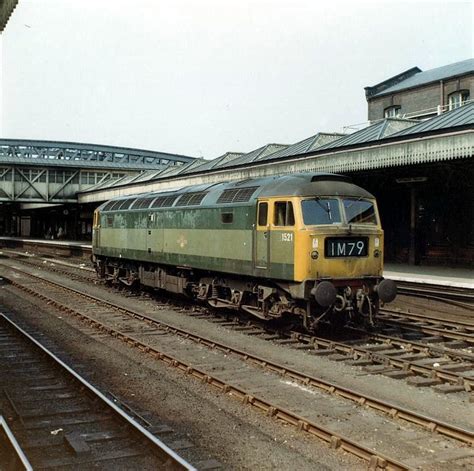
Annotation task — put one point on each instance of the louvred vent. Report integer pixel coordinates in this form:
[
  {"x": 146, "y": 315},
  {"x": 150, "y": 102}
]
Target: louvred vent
[
  {"x": 143, "y": 203},
  {"x": 108, "y": 206},
  {"x": 115, "y": 205},
  {"x": 127, "y": 203},
  {"x": 237, "y": 195},
  {"x": 191, "y": 199},
  {"x": 164, "y": 201}
]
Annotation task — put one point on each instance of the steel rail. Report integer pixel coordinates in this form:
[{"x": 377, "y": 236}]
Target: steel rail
[
  {"x": 15, "y": 445},
  {"x": 334, "y": 439},
  {"x": 78, "y": 276},
  {"x": 422, "y": 317},
  {"x": 312, "y": 341},
  {"x": 412, "y": 345},
  {"x": 446, "y": 297},
  {"x": 444, "y": 292},
  {"x": 23, "y": 255},
  {"x": 382, "y": 358},
  {"x": 465, "y": 333},
  {"x": 397, "y": 314},
  {"x": 386, "y": 407},
  {"x": 171, "y": 458},
  {"x": 415, "y": 346},
  {"x": 363, "y": 353}
]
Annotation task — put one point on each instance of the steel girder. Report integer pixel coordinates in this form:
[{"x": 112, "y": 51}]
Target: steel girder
[
  {"x": 48, "y": 184},
  {"x": 107, "y": 156}
]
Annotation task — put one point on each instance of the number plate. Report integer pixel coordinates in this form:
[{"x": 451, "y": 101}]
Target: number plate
[{"x": 346, "y": 247}]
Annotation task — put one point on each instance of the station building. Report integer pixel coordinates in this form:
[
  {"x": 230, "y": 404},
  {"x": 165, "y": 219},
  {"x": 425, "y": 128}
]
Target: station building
[
  {"x": 417, "y": 161},
  {"x": 422, "y": 94}
]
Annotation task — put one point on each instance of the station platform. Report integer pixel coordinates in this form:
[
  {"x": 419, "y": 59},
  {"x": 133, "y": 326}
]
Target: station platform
[
  {"x": 60, "y": 243},
  {"x": 60, "y": 248},
  {"x": 431, "y": 275},
  {"x": 462, "y": 278}
]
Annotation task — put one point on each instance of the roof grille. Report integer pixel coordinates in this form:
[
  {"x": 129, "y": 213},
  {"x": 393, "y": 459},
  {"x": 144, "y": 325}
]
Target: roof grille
[
  {"x": 115, "y": 205},
  {"x": 108, "y": 206},
  {"x": 227, "y": 196},
  {"x": 237, "y": 195},
  {"x": 143, "y": 203},
  {"x": 164, "y": 201},
  {"x": 191, "y": 199},
  {"x": 127, "y": 203}
]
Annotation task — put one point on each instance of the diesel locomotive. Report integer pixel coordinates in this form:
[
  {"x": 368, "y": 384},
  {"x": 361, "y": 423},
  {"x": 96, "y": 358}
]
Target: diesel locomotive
[{"x": 304, "y": 245}]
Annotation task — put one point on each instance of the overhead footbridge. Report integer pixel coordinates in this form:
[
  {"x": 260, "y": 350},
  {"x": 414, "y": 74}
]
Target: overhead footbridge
[{"x": 55, "y": 172}]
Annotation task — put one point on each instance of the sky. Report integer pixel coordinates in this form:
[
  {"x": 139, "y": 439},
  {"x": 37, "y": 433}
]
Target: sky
[{"x": 201, "y": 78}]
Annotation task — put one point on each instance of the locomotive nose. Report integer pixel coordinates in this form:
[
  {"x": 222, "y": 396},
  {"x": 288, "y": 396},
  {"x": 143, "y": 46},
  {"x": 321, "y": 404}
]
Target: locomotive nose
[
  {"x": 387, "y": 290},
  {"x": 324, "y": 293}
]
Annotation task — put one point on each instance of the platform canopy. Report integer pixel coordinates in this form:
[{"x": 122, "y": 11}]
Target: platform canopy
[{"x": 391, "y": 142}]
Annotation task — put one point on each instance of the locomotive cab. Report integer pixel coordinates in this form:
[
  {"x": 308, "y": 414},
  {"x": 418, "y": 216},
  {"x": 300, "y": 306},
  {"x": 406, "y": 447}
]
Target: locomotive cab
[{"x": 333, "y": 245}]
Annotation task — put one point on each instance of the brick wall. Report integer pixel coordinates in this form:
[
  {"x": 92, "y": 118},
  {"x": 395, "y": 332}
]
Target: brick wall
[{"x": 416, "y": 99}]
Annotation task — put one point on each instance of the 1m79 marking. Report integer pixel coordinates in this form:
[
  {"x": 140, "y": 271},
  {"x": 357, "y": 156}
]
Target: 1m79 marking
[{"x": 346, "y": 247}]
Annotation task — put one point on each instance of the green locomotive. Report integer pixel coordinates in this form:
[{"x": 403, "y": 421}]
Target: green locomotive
[{"x": 307, "y": 245}]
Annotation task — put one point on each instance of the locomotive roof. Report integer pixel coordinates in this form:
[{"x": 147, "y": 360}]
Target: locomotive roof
[{"x": 248, "y": 190}]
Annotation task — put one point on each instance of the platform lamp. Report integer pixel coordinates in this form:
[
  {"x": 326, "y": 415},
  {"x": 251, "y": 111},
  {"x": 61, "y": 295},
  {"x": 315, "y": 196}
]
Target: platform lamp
[{"x": 411, "y": 182}]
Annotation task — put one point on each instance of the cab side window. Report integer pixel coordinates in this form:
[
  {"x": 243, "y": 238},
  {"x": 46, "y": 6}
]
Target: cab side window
[
  {"x": 262, "y": 214},
  {"x": 283, "y": 214}
]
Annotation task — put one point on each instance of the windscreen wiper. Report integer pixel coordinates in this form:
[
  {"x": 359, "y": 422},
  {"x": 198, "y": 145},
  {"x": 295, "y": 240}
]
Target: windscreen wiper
[{"x": 327, "y": 209}]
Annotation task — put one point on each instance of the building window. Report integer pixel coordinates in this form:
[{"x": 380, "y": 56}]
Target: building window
[
  {"x": 392, "y": 111},
  {"x": 457, "y": 99},
  {"x": 56, "y": 176}
]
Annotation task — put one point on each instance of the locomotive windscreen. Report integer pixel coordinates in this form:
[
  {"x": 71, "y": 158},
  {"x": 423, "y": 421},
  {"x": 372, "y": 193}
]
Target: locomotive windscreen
[
  {"x": 359, "y": 211},
  {"x": 321, "y": 211}
]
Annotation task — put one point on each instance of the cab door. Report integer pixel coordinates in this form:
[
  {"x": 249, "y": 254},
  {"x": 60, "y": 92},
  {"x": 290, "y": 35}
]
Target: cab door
[
  {"x": 262, "y": 236},
  {"x": 96, "y": 229}
]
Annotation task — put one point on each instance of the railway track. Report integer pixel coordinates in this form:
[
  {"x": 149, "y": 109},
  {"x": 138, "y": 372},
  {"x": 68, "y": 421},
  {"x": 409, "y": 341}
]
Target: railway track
[
  {"x": 448, "y": 329},
  {"x": 460, "y": 297},
  {"x": 57, "y": 419},
  {"x": 457, "y": 330},
  {"x": 73, "y": 271},
  {"x": 446, "y": 369},
  {"x": 11, "y": 454},
  {"x": 137, "y": 330},
  {"x": 427, "y": 352}
]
